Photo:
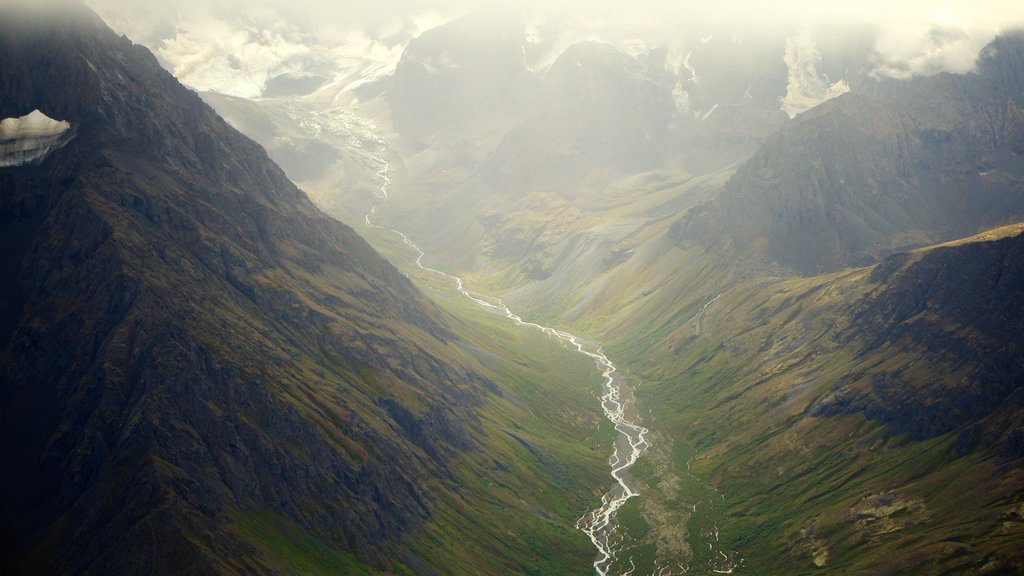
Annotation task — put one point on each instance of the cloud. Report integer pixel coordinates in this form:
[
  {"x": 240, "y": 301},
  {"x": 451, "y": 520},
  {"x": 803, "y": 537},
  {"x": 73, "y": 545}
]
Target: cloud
[
  {"x": 924, "y": 47},
  {"x": 234, "y": 46}
]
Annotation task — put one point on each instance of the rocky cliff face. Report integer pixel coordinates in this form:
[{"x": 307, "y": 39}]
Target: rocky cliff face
[
  {"x": 961, "y": 309},
  {"x": 858, "y": 177},
  {"x": 186, "y": 340}
]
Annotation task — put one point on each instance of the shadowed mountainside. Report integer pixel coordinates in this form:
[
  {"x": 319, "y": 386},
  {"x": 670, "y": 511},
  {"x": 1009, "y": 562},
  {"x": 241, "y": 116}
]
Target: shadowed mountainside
[{"x": 202, "y": 373}]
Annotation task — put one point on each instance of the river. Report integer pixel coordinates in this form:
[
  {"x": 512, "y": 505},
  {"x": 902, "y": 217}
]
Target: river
[{"x": 632, "y": 438}]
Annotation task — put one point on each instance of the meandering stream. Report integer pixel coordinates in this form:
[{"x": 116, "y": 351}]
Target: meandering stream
[{"x": 632, "y": 439}]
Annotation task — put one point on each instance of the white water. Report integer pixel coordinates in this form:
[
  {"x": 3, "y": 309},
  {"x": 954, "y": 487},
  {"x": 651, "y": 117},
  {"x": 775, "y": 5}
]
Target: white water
[{"x": 633, "y": 439}]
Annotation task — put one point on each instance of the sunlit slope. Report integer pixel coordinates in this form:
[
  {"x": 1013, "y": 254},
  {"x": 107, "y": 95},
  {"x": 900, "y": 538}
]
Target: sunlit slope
[{"x": 867, "y": 421}]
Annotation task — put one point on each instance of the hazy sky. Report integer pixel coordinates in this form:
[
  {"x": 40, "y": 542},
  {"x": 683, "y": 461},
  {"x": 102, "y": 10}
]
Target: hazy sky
[
  {"x": 886, "y": 12},
  {"x": 233, "y": 45}
]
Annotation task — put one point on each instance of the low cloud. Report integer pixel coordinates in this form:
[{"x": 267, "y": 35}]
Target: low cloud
[
  {"x": 234, "y": 46},
  {"x": 930, "y": 47}
]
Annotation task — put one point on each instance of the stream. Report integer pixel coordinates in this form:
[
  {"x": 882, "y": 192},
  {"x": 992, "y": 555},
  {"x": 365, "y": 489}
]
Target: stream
[{"x": 632, "y": 440}]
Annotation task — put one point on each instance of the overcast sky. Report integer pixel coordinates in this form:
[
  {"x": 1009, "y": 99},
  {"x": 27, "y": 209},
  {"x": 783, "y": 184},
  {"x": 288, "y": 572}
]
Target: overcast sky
[
  {"x": 233, "y": 45},
  {"x": 889, "y": 12}
]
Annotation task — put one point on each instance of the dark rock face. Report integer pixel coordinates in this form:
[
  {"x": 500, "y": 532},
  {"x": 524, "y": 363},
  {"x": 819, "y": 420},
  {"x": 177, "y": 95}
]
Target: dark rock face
[
  {"x": 184, "y": 338},
  {"x": 858, "y": 178},
  {"x": 293, "y": 84},
  {"x": 958, "y": 310},
  {"x": 963, "y": 307}
]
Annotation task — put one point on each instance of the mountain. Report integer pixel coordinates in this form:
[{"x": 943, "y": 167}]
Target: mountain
[
  {"x": 828, "y": 388},
  {"x": 488, "y": 118},
  {"x": 200, "y": 372},
  {"x": 468, "y": 74},
  {"x": 960, "y": 307},
  {"x": 861, "y": 177},
  {"x": 599, "y": 109},
  {"x": 866, "y": 421}
]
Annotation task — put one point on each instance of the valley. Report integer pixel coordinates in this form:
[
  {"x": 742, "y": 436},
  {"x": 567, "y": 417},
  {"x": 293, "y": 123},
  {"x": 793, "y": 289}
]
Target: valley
[
  {"x": 632, "y": 441},
  {"x": 730, "y": 354},
  {"x": 507, "y": 291}
]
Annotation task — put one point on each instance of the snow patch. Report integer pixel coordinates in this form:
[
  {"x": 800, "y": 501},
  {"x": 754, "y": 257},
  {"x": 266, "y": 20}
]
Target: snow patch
[
  {"x": 689, "y": 68},
  {"x": 806, "y": 87},
  {"x": 34, "y": 124},
  {"x": 31, "y": 138},
  {"x": 709, "y": 113}
]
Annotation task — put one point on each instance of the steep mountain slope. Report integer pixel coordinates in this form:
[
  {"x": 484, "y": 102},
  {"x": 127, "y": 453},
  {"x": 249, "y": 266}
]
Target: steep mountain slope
[
  {"x": 202, "y": 373},
  {"x": 867, "y": 421},
  {"x": 858, "y": 178}
]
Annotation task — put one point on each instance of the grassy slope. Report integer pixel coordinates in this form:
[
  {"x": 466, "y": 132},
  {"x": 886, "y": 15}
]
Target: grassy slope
[
  {"x": 806, "y": 494},
  {"x": 511, "y": 505},
  {"x": 508, "y": 507},
  {"x": 543, "y": 466},
  {"x": 726, "y": 392}
]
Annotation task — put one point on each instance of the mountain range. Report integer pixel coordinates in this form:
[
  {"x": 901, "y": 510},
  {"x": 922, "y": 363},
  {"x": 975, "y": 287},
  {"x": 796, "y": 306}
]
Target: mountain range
[
  {"x": 810, "y": 307},
  {"x": 808, "y": 275}
]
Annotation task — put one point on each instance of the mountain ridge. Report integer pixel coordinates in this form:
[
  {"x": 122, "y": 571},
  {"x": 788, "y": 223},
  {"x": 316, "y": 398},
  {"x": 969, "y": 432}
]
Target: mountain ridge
[
  {"x": 855, "y": 422},
  {"x": 859, "y": 177}
]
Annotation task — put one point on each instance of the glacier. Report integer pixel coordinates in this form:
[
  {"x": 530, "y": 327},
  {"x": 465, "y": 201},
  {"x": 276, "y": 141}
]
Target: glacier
[{"x": 31, "y": 138}]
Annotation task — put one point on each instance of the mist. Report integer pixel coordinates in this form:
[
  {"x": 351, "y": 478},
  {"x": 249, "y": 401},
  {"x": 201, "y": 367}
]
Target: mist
[{"x": 233, "y": 47}]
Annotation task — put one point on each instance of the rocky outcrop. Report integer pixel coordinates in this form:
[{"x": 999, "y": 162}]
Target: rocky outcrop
[{"x": 960, "y": 310}]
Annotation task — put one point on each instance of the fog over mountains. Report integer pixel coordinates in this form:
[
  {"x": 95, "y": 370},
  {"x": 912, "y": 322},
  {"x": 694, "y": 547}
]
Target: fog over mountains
[
  {"x": 309, "y": 287},
  {"x": 235, "y": 47}
]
